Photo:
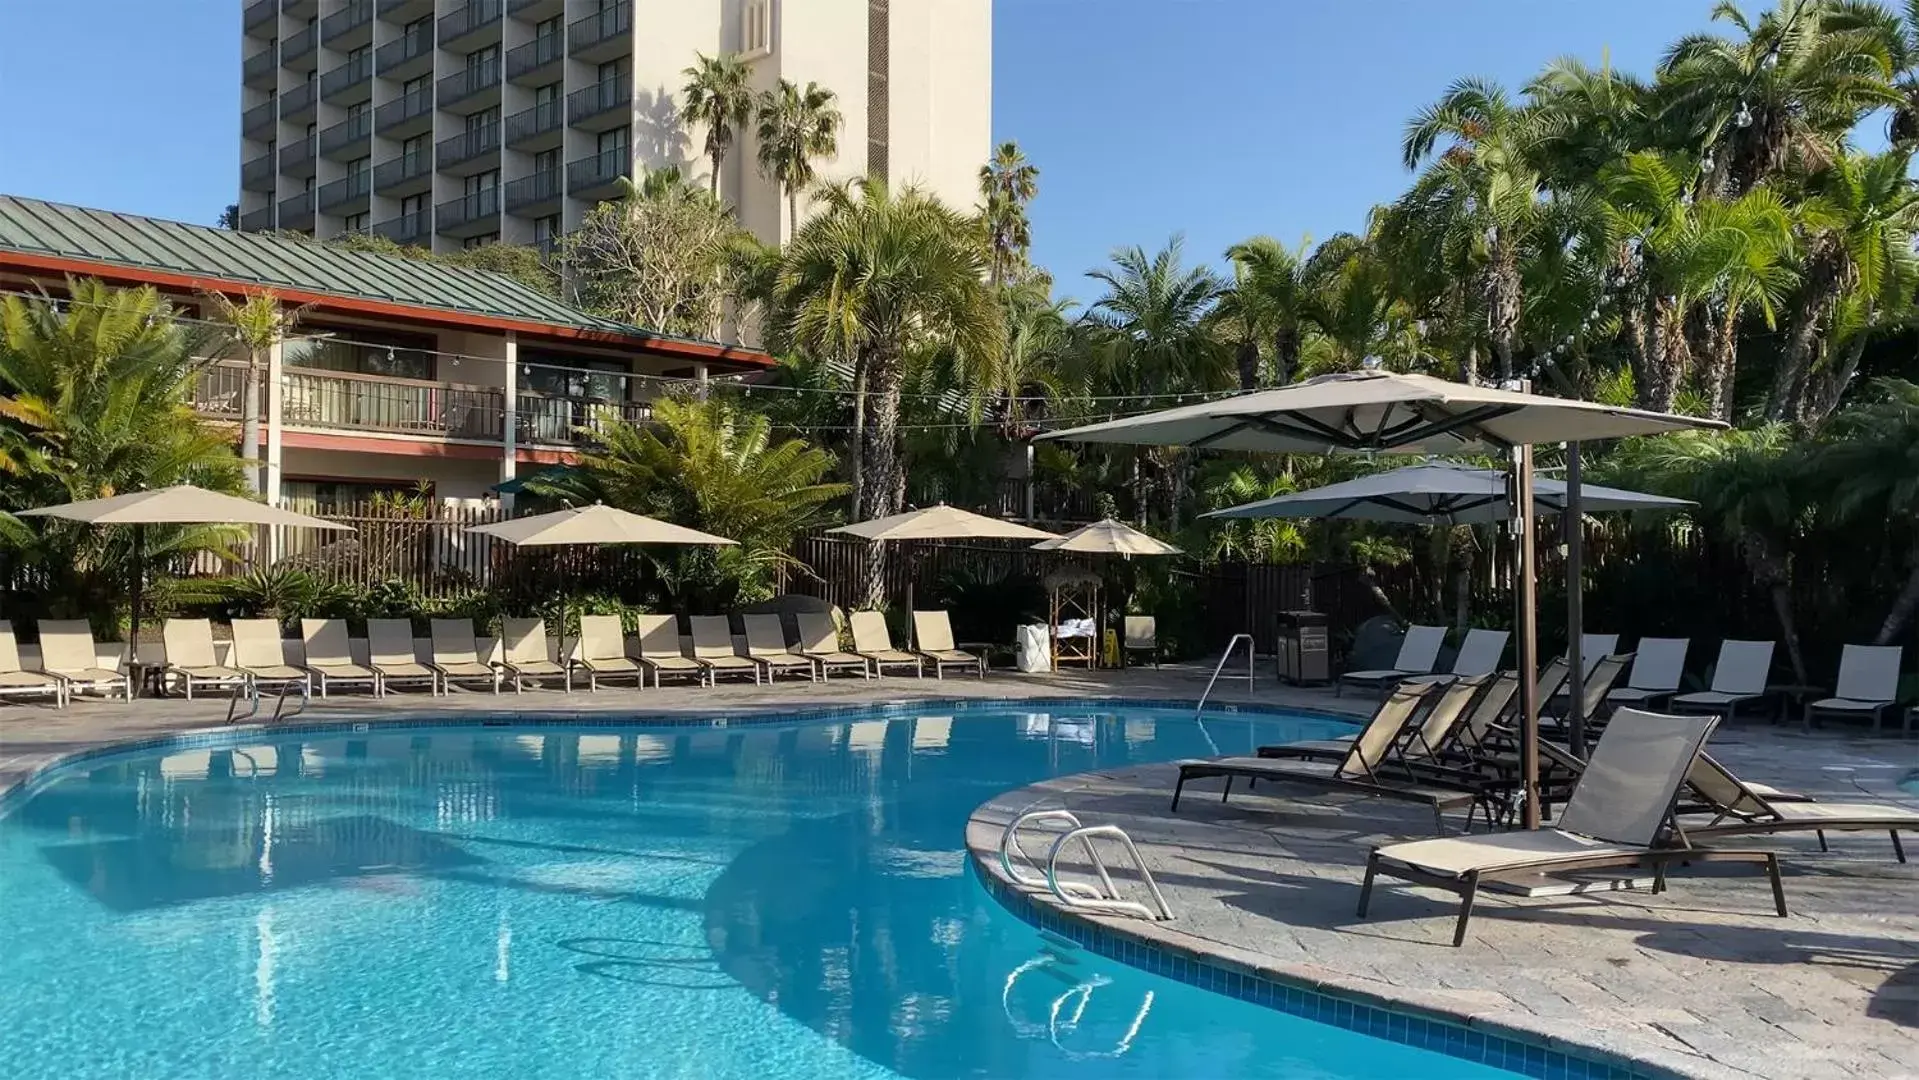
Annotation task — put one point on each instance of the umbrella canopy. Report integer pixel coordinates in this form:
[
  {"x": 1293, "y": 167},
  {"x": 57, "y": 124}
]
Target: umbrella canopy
[
  {"x": 596, "y": 524},
  {"x": 181, "y": 505},
  {"x": 1380, "y": 411},
  {"x": 1437, "y": 494},
  {"x": 1108, "y": 537},
  {"x": 941, "y": 522}
]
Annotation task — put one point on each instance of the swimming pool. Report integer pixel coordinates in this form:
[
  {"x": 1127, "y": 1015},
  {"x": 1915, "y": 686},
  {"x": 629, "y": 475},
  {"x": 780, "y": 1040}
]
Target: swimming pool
[{"x": 781, "y": 900}]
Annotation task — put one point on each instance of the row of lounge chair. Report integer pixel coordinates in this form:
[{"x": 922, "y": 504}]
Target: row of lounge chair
[{"x": 258, "y": 658}]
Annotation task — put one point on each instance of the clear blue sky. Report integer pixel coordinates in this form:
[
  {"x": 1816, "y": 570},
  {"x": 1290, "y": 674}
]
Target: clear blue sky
[{"x": 1220, "y": 119}]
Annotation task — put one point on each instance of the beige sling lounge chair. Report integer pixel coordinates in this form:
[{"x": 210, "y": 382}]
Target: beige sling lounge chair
[
  {"x": 713, "y": 649},
  {"x": 1620, "y": 814},
  {"x": 933, "y": 639},
  {"x": 526, "y": 655},
  {"x": 1418, "y": 653},
  {"x": 1743, "y": 808},
  {"x": 1868, "y": 686},
  {"x": 260, "y": 652},
  {"x": 820, "y": 643},
  {"x": 601, "y": 652},
  {"x": 872, "y": 641},
  {"x": 191, "y": 657},
  {"x": 330, "y": 656},
  {"x": 15, "y": 679},
  {"x": 1419, "y": 742},
  {"x": 456, "y": 655},
  {"x": 660, "y": 650},
  {"x": 389, "y": 644},
  {"x": 1139, "y": 633},
  {"x": 67, "y": 652},
  {"x": 766, "y": 646}
]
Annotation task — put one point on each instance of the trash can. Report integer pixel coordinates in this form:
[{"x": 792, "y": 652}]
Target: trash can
[
  {"x": 1302, "y": 655},
  {"x": 1035, "y": 647}
]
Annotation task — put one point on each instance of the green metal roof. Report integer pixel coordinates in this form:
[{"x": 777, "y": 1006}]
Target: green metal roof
[{"x": 32, "y": 226}]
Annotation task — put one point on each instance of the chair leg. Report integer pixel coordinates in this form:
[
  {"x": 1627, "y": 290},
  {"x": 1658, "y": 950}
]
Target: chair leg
[
  {"x": 1821, "y": 834},
  {"x": 1178, "y": 786},
  {"x": 1366, "y": 887},
  {"x": 1226, "y": 789},
  {"x": 1778, "y": 886},
  {"x": 1466, "y": 908},
  {"x": 1898, "y": 849}
]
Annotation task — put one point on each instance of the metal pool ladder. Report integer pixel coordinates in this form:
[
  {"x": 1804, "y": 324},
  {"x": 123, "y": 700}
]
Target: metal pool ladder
[
  {"x": 1102, "y": 897},
  {"x": 1220, "y": 667}
]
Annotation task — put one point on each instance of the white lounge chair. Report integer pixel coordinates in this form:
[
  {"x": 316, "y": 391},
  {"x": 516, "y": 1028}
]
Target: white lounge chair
[
  {"x": 526, "y": 654},
  {"x": 389, "y": 644},
  {"x": 67, "y": 651},
  {"x": 1620, "y": 814},
  {"x": 456, "y": 655},
  {"x": 766, "y": 646},
  {"x": 1868, "y": 686},
  {"x": 713, "y": 649},
  {"x": 1418, "y": 654},
  {"x": 330, "y": 656},
  {"x": 1657, "y": 666},
  {"x": 933, "y": 639},
  {"x": 1140, "y": 633},
  {"x": 601, "y": 652},
  {"x": 1738, "y": 678},
  {"x": 192, "y": 659},
  {"x": 820, "y": 643},
  {"x": 16, "y": 680},
  {"x": 660, "y": 652},
  {"x": 873, "y": 641},
  {"x": 260, "y": 652}
]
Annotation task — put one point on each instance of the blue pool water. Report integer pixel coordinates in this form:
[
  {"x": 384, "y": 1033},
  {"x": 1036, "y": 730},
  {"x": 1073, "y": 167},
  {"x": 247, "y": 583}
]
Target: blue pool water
[{"x": 786, "y": 901}]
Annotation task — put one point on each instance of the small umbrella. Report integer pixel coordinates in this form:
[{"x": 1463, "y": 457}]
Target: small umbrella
[
  {"x": 182, "y": 504},
  {"x": 1108, "y": 537},
  {"x": 1437, "y": 494},
  {"x": 939, "y": 522}
]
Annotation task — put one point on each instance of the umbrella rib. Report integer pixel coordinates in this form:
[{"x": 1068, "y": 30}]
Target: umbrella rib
[
  {"x": 1306, "y": 428},
  {"x": 1446, "y": 423}
]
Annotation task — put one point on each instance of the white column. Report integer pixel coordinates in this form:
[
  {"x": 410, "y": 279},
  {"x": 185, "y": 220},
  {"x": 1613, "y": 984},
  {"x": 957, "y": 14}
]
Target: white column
[
  {"x": 699, "y": 376},
  {"x": 276, "y": 371},
  {"x": 510, "y": 460}
]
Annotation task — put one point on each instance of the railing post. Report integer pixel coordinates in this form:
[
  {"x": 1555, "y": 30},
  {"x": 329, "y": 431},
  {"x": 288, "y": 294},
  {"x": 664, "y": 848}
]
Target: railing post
[{"x": 510, "y": 418}]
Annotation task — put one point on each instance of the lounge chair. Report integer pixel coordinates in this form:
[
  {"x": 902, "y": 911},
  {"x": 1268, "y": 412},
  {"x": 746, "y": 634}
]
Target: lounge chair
[
  {"x": 1868, "y": 686},
  {"x": 1620, "y": 814},
  {"x": 526, "y": 655},
  {"x": 933, "y": 639},
  {"x": 1418, "y": 653},
  {"x": 259, "y": 651},
  {"x": 1369, "y": 767},
  {"x": 1140, "y": 633},
  {"x": 1657, "y": 665},
  {"x": 659, "y": 645},
  {"x": 1480, "y": 653},
  {"x": 1595, "y": 687},
  {"x": 713, "y": 649},
  {"x": 766, "y": 646},
  {"x": 67, "y": 652},
  {"x": 15, "y": 679},
  {"x": 192, "y": 659},
  {"x": 820, "y": 643},
  {"x": 1741, "y": 808},
  {"x": 330, "y": 656},
  {"x": 1738, "y": 678},
  {"x": 601, "y": 652},
  {"x": 872, "y": 641},
  {"x": 456, "y": 655},
  {"x": 1415, "y": 742},
  {"x": 389, "y": 644}
]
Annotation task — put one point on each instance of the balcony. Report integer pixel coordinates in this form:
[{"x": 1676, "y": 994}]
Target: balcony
[
  {"x": 534, "y": 195},
  {"x": 404, "y": 174},
  {"x": 535, "y": 10},
  {"x": 300, "y": 10},
  {"x": 298, "y": 159},
  {"x": 349, "y": 401},
  {"x": 472, "y": 20},
  {"x": 347, "y": 196},
  {"x": 257, "y": 122},
  {"x": 469, "y": 215},
  {"x": 257, "y": 175},
  {"x": 300, "y": 52},
  {"x": 478, "y": 150},
  {"x": 258, "y": 14},
  {"x": 219, "y": 390},
  {"x": 297, "y": 212},
  {"x": 603, "y": 35},
  {"x": 601, "y": 107},
  {"x": 537, "y": 128},
  {"x": 258, "y": 220},
  {"x": 405, "y": 229},
  {"x": 471, "y": 90},
  {"x": 405, "y": 116},
  {"x": 296, "y": 105},
  {"x": 405, "y": 56},
  {"x": 259, "y": 69},
  {"x": 598, "y": 175},
  {"x": 350, "y": 83},
  {"x": 536, "y": 61},
  {"x": 347, "y": 139},
  {"x": 350, "y": 27},
  {"x": 571, "y": 421},
  {"x": 404, "y": 11}
]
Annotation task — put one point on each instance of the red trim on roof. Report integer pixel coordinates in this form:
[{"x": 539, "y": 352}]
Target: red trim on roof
[{"x": 386, "y": 309}]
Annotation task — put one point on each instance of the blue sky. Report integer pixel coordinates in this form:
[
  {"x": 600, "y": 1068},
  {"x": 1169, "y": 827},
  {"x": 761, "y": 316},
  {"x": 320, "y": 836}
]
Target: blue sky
[{"x": 1219, "y": 119}]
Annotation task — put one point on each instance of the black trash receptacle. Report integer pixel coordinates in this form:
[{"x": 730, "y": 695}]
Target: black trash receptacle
[{"x": 1303, "y": 654}]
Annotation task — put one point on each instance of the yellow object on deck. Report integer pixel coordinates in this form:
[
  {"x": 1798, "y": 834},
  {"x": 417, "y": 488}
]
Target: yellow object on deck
[{"x": 1109, "y": 649}]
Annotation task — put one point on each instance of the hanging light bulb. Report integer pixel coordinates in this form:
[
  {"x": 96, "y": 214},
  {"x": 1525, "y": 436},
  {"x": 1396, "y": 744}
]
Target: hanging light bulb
[
  {"x": 1371, "y": 363},
  {"x": 1743, "y": 118}
]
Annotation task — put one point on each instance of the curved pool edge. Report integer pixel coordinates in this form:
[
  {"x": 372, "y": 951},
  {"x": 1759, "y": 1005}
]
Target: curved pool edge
[{"x": 1320, "y": 994}]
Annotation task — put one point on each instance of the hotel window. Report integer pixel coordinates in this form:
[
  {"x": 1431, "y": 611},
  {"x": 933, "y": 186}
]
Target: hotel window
[
  {"x": 358, "y": 109},
  {"x": 612, "y": 70},
  {"x": 545, "y": 231},
  {"x": 615, "y": 143},
  {"x": 472, "y": 242},
  {"x": 481, "y": 59},
  {"x": 546, "y": 95},
  {"x": 479, "y": 122},
  {"x": 364, "y": 351},
  {"x": 413, "y": 204},
  {"x": 354, "y": 222},
  {"x": 359, "y": 168},
  {"x": 482, "y": 182},
  {"x": 546, "y": 161},
  {"x": 415, "y": 152}
]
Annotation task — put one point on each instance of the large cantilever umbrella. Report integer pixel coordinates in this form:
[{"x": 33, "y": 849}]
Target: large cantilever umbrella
[
  {"x": 938, "y": 522},
  {"x": 1387, "y": 412},
  {"x": 182, "y": 504},
  {"x": 1438, "y": 494}
]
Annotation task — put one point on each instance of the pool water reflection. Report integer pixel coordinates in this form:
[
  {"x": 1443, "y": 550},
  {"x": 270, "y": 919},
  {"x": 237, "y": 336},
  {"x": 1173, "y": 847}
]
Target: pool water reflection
[{"x": 775, "y": 900}]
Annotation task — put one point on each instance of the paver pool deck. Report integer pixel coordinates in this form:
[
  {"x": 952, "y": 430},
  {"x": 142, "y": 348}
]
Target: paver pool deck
[{"x": 1702, "y": 980}]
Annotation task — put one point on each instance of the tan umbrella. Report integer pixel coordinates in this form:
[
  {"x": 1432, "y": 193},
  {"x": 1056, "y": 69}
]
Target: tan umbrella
[
  {"x": 182, "y": 504},
  {"x": 1108, "y": 537},
  {"x": 596, "y": 524},
  {"x": 939, "y": 522}
]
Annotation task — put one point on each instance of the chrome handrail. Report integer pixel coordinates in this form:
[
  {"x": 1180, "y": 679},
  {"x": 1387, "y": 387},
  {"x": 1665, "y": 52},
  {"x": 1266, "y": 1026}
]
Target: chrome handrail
[
  {"x": 1009, "y": 846},
  {"x": 1110, "y": 901},
  {"x": 1221, "y": 666}
]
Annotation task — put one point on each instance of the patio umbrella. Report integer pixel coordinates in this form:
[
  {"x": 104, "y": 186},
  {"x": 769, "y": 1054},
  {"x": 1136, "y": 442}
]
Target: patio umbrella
[
  {"x": 1389, "y": 412},
  {"x": 1437, "y": 494},
  {"x": 938, "y": 522},
  {"x": 1108, "y": 537},
  {"x": 182, "y": 504}
]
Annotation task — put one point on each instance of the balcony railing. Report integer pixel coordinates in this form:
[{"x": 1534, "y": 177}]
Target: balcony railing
[
  {"x": 405, "y": 229},
  {"x": 259, "y": 65},
  {"x": 352, "y": 17},
  {"x": 405, "y": 107},
  {"x": 538, "y": 188},
  {"x": 299, "y": 46},
  {"x": 477, "y": 206},
  {"x": 357, "y": 186},
  {"x": 528, "y": 123},
  {"x": 297, "y": 100},
  {"x": 220, "y": 390},
  {"x": 476, "y": 14},
  {"x": 258, "y": 12},
  {"x": 468, "y": 145},
  {"x": 405, "y": 167},
  {"x": 345, "y": 401},
  {"x": 354, "y": 129},
  {"x": 465, "y": 84},
  {"x": 534, "y": 55},
  {"x": 608, "y": 22},
  {"x": 601, "y": 168},
  {"x": 353, "y": 72},
  {"x": 257, "y": 175},
  {"x": 258, "y": 220},
  {"x": 566, "y": 421},
  {"x": 297, "y": 156},
  {"x": 297, "y": 212},
  {"x": 603, "y": 96},
  {"x": 258, "y": 120},
  {"x": 408, "y": 46}
]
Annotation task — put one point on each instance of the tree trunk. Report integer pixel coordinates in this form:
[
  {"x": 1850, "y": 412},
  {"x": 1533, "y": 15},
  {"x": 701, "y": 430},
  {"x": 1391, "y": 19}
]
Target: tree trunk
[
  {"x": 1247, "y": 359},
  {"x": 1502, "y": 305},
  {"x": 1819, "y": 403},
  {"x": 1818, "y": 293},
  {"x": 1285, "y": 354},
  {"x": 856, "y": 451},
  {"x": 250, "y": 423},
  {"x": 713, "y": 182},
  {"x": 1668, "y": 358},
  {"x": 1902, "y": 606},
  {"x": 882, "y": 455},
  {"x": 1721, "y": 355},
  {"x": 1469, "y": 364},
  {"x": 1774, "y": 572},
  {"x": 792, "y": 212}
]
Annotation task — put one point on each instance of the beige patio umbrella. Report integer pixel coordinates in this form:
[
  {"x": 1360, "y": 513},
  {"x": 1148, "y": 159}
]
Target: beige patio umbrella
[
  {"x": 1387, "y": 412},
  {"x": 938, "y": 522},
  {"x": 182, "y": 504},
  {"x": 1108, "y": 537}
]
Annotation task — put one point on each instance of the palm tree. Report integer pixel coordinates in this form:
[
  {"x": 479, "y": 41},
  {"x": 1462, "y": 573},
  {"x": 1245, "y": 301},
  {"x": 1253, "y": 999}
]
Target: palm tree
[
  {"x": 1588, "y": 117},
  {"x": 1266, "y": 299},
  {"x": 1152, "y": 319},
  {"x": 256, "y": 324},
  {"x": 1869, "y": 463},
  {"x": 795, "y": 126},
  {"x": 717, "y": 95},
  {"x": 1007, "y": 182}
]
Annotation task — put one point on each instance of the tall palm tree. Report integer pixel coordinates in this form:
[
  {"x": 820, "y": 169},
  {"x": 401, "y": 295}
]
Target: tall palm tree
[
  {"x": 256, "y": 324},
  {"x": 718, "y": 97},
  {"x": 796, "y": 125},
  {"x": 1266, "y": 299},
  {"x": 1588, "y": 118},
  {"x": 1007, "y": 182},
  {"x": 1152, "y": 318},
  {"x": 1031, "y": 370},
  {"x": 1870, "y": 463}
]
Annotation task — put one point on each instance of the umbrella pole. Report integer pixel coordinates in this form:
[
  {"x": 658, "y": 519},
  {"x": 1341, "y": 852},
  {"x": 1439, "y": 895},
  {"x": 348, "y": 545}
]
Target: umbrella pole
[
  {"x": 136, "y": 603},
  {"x": 1528, "y": 626},
  {"x": 1574, "y": 524}
]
